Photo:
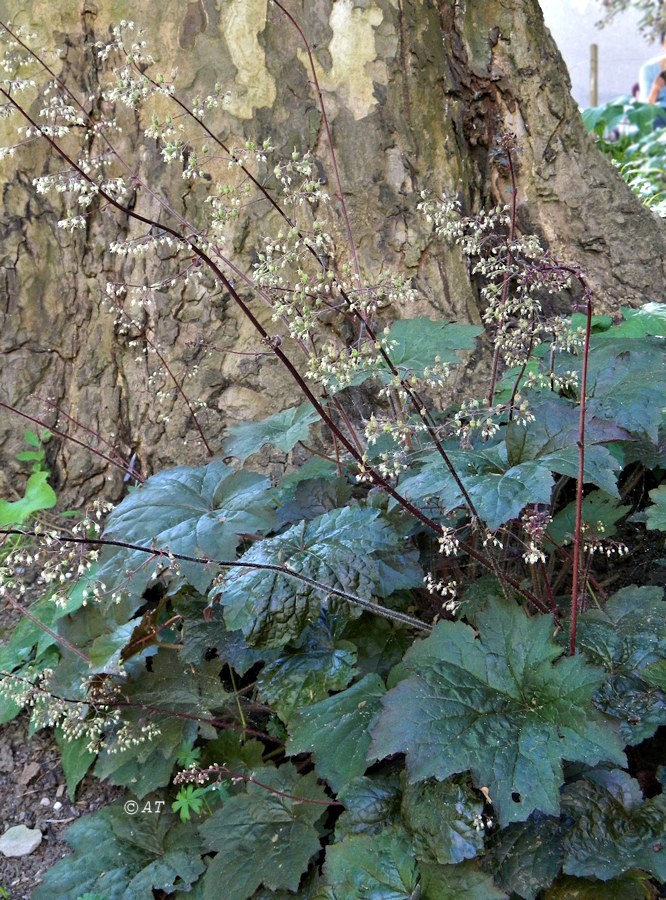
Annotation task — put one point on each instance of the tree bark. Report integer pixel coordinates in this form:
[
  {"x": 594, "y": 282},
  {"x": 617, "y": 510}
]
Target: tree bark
[{"x": 416, "y": 93}]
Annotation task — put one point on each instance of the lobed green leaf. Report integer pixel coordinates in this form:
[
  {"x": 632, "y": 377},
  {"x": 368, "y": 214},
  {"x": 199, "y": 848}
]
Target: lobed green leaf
[{"x": 501, "y": 706}]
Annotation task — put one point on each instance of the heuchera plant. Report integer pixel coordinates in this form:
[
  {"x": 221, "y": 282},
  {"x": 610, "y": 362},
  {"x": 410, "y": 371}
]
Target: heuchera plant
[{"x": 400, "y": 671}]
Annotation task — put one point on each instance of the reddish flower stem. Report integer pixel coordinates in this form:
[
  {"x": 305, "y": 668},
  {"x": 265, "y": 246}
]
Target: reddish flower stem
[
  {"x": 326, "y": 589},
  {"x": 576, "y": 584},
  {"x": 56, "y": 637},
  {"x": 189, "y": 241},
  {"x": 193, "y": 775},
  {"x": 124, "y": 467},
  {"x": 95, "y": 434},
  {"x": 506, "y": 279}
]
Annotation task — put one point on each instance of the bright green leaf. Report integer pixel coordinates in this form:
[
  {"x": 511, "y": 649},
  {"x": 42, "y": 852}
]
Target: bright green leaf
[
  {"x": 647, "y": 319},
  {"x": 189, "y": 799},
  {"x": 37, "y": 456},
  {"x": 38, "y": 495}
]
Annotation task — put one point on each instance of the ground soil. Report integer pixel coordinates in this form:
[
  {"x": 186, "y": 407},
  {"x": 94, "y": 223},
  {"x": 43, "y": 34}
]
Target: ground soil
[
  {"x": 32, "y": 785},
  {"x": 33, "y": 791}
]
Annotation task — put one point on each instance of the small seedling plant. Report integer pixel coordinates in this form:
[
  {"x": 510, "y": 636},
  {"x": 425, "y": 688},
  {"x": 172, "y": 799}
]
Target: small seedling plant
[{"x": 403, "y": 669}]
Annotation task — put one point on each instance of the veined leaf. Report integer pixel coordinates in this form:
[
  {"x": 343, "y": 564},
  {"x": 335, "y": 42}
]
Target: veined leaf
[
  {"x": 526, "y": 857},
  {"x": 168, "y": 696},
  {"x": 656, "y": 674},
  {"x": 632, "y": 886},
  {"x": 350, "y": 549},
  {"x": 200, "y": 635},
  {"x": 75, "y": 759},
  {"x": 444, "y": 818},
  {"x": 418, "y": 343},
  {"x": 466, "y": 880},
  {"x": 600, "y": 466},
  {"x": 265, "y": 835},
  {"x": 625, "y": 637},
  {"x": 118, "y": 856},
  {"x": 626, "y": 379},
  {"x": 647, "y": 319},
  {"x": 380, "y": 644},
  {"x": 230, "y": 749},
  {"x": 312, "y": 497},
  {"x": 650, "y": 454},
  {"x": 555, "y": 429},
  {"x": 499, "y": 706},
  {"x": 501, "y": 497},
  {"x": 615, "y": 830},
  {"x": 336, "y": 731},
  {"x": 598, "y": 507},
  {"x": 371, "y": 803},
  {"x": 282, "y": 430},
  {"x": 552, "y": 437},
  {"x": 306, "y": 673},
  {"x": 498, "y": 491},
  {"x": 380, "y": 866},
  {"x": 198, "y": 511}
]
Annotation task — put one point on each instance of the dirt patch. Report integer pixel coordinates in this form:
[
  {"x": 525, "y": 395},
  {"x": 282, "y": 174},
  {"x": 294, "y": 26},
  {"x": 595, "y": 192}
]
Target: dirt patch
[{"x": 33, "y": 793}]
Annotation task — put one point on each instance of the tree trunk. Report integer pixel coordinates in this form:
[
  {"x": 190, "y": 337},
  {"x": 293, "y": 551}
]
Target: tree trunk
[{"x": 416, "y": 94}]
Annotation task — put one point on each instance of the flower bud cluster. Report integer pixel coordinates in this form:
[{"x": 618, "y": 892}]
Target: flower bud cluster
[{"x": 448, "y": 542}]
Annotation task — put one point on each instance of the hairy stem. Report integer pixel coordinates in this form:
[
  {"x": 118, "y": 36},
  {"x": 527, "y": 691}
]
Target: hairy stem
[{"x": 326, "y": 589}]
